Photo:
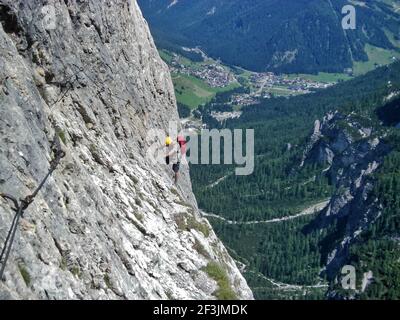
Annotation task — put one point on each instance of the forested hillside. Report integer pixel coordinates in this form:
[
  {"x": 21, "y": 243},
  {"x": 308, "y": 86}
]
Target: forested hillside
[
  {"x": 265, "y": 219},
  {"x": 289, "y": 36}
]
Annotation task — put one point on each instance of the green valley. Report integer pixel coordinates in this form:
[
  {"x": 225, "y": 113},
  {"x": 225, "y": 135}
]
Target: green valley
[
  {"x": 250, "y": 213},
  {"x": 198, "y": 79},
  {"x": 324, "y": 105}
]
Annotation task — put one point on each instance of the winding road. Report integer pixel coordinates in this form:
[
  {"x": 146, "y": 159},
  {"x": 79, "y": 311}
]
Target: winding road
[
  {"x": 286, "y": 286},
  {"x": 306, "y": 212},
  {"x": 214, "y": 184},
  {"x": 279, "y": 285}
]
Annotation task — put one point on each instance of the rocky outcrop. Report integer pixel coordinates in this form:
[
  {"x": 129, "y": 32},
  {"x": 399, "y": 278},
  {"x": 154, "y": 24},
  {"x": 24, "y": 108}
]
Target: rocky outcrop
[
  {"x": 332, "y": 137},
  {"x": 352, "y": 153},
  {"x": 109, "y": 224}
]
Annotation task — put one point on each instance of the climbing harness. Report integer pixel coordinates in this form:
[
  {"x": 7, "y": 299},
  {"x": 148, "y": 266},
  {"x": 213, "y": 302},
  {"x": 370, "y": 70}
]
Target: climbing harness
[{"x": 23, "y": 204}]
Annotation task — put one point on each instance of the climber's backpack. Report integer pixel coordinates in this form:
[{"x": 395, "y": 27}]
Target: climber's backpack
[{"x": 182, "y": 144}]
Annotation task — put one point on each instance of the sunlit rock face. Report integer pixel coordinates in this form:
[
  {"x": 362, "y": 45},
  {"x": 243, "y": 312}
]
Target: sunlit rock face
[{"x": 109, "y": 223}]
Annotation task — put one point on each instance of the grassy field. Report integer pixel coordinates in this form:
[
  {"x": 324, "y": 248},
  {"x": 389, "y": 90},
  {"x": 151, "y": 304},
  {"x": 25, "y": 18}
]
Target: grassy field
[
  {"x": 190, "y": 90},
  {"x": 165, "y": 55},
  {"x": 280, "y": 91},
  {"x": 194, "y": 92},
  {"x": 377, "y": 56},
  {"x": 322, "y": 77}
]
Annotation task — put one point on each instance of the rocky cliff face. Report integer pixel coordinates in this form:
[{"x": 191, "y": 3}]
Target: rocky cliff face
[
  {"x": 109, "y": 224},
  {"x": 352, "y": 152}
]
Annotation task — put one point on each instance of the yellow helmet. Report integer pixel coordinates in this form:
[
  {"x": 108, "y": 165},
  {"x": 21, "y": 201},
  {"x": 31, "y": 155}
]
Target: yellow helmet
[{"x": 168, "y": 141}]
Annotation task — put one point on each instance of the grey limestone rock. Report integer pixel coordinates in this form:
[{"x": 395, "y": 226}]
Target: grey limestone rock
[{"x": 108, "y": 224}]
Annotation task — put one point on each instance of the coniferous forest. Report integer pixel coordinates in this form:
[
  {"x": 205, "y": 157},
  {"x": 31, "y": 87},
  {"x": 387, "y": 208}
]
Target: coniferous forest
[
  {"x": 324, "y": 193},
  {"x": 282, "y": 251}
]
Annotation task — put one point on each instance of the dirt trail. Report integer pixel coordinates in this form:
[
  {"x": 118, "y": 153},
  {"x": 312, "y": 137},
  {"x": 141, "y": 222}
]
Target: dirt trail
[{"x": 306, "y": 212}]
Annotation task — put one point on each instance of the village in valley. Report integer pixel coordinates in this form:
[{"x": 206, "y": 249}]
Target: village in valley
[
  {"x": 211, "y": 72},
  {"x": 206, "y": 75},
  {"x": 262, "y": 85}
]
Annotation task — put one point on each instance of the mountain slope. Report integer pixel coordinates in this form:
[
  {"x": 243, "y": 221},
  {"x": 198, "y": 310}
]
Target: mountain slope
[
  {"x": 108, "y": 224},
  {"x": 337, "y": 146},
  {"x": 362, "y": 217},
  {"x": 290, "y": 36}
]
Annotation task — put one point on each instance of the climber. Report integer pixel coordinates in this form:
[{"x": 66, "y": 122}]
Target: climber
[
  {"x": 182, "y": 144},
  {"x": 171, "y": 152},
  {"x": 176, "y": 153},
  {"x": 168, "y": 142},
  {"x": 180, "y": 152}
]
